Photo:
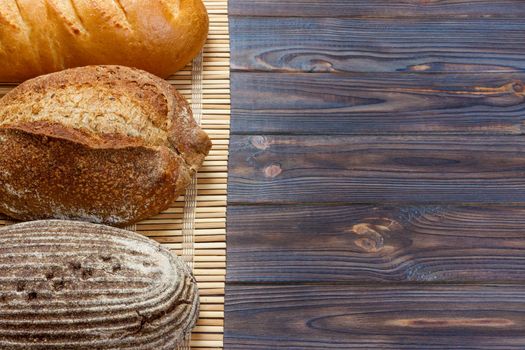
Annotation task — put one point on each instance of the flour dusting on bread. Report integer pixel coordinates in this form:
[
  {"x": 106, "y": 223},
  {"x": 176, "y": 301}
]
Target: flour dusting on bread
[{"x": 107, "y": 144}]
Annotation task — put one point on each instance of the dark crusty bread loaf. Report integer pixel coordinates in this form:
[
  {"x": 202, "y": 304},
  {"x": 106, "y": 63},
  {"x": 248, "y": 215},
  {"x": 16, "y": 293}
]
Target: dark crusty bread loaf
[
  {"x": 44, "y": 36},
  {"x": 76, "y": 285},
  {"x": 106, "y": 144}
]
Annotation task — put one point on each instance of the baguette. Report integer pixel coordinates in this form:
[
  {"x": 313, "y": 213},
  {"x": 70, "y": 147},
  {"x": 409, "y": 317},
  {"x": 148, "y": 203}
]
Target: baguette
[
  {"x": 105, "y": 144},
  {"x": 73, "y": 285},
  {"x": 44, "y": 36}
]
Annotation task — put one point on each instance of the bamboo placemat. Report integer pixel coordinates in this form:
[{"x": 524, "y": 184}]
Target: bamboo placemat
[{"x": 195, "y": 226}]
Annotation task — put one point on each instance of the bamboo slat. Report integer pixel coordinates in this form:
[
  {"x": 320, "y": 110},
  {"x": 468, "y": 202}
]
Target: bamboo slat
[{"x": 209, "y": 217}]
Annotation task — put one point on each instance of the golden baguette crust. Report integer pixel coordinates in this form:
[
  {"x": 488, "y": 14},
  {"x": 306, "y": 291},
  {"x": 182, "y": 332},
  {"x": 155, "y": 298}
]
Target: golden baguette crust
[
  {"x": 105, "y": 144},
  {"x": 44, "y": 36},
  {"x": 74, "y": 285}
]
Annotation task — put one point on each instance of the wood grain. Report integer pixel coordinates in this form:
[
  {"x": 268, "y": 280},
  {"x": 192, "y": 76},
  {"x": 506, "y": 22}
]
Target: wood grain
[
  {"x": 377, "y": 175},
  {"x": 373, "y": 169},
  {"x": 377, "y": 103},
  {"x": 375, "y": 317},
  {"x": 365, "y": 244},
  {"x": 378, "y": 8},
  {"x": 378, "y": 45}
]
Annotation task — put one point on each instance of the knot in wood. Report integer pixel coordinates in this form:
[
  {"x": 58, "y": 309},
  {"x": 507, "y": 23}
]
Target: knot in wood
[
  {"x": 372, "y": 240},
  {"x": 273, "y": 170},
  {"x": 260, "y": 142},
  {"x": 419, "y": 68},
  {"x": 517, "y": 87},
  {"x": 367, "y": 244},
  {"x": 318, "y": 65}
]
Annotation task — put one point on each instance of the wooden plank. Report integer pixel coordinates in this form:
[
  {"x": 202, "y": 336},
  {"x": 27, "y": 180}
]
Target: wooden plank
[
  {"x": 364, "y": 244},
  {"x": 378, "y": 45},
  {"x": 377, "y": 103},
  {"x": 375, "y": 317},
  {"x": 378, "y": 8},
  {"x": 373, "y": 169}
]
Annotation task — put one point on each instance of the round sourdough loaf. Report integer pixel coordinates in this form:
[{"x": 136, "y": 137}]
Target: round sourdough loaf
[
  {"x": 76, "y": 285},
  {"x": 44, "y": 36},
  {"x": 105, "y": 144}
]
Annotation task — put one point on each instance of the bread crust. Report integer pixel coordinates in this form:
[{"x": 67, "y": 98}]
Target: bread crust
[
  {"x": 56, "y": 167},
  {"x": 74, "y": 285},
  {"x": 44, "y": 36}
]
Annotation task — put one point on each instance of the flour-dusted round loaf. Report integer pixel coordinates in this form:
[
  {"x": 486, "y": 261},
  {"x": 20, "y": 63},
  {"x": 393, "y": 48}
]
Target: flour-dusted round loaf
[
  {"x": 105, "y": 144},
  {"x": 75, "y": 285},
  {"x": 44, "y": 36}
]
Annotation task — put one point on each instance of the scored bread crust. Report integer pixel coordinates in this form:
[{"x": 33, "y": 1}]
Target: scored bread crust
[
  {"x": 105, "y": 144},
  {"x": 75, "y": 285},
  {"x": 44, "y": 36}
]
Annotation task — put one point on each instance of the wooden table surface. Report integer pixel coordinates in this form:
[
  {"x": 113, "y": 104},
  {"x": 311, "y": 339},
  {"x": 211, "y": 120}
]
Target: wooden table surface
[{"x": 377, "y": 175}]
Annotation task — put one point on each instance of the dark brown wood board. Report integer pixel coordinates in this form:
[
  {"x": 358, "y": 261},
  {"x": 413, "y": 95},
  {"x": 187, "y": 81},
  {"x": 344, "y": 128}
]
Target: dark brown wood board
[
  {"x": 367, "y": 317},
  {"x": 370, "y": 244},
  {"x": 376, "y": 175},
  {"x": 300, "y": 44},
  {"x": 378, "y": 103},
  {"x": 376, "y": 169},
  {"x": 378, "y": 8}
]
